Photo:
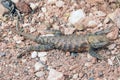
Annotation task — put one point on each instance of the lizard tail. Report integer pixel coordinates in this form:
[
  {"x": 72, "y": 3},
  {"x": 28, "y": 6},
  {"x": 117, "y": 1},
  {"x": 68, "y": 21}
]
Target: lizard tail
[{"x": 26, "y": 35}]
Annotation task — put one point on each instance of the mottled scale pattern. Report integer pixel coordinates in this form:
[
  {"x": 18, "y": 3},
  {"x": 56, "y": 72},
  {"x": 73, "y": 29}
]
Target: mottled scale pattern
[{"x": 72, "y": 43}]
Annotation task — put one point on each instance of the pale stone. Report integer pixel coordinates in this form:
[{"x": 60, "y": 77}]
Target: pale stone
[
  {"x": 51, "y": 1},
  {"x": 38, "y": 66},
  {"x": 34, "y": 54},
  {"x": 76, "y": 16},
  {"x": 75, "y": 76},
  {"x": 32, "y": 29},
  {"x": 42, "y": 54},
  {"x": 110, "y": 62},
  {"x": 43, "y": 59},
  {"x": 44, "y": 9},
  {"x": 55, "y": 75},
  {"x": 115, "y": 17},
  {"x": 99, "y": 13},
  {"x": 92, "y": 23},
  {"x": 34, "y": 5},
  {"x": 40, "y": 74},
  {"x": 18, "y": 39},
  {"x": 112, "y": 46},
  {"x": 59, "y": 3}
]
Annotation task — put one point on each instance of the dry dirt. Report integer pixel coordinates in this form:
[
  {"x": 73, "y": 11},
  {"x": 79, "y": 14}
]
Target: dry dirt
[{"x": 55, "y": 16}]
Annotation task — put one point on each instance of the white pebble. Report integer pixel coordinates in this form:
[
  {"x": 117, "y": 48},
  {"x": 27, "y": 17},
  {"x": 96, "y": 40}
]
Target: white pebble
[
  {"x": 76, "y": 16},
  {"x": 43, "y": 59},
  {"x": 59, "y": 3},
  {"x": 51, "y": 1},
  {"x": 99, "y": 13},
  {"x": 43, "y": 9},
  {"x": 40, "y": 74},
  {"x": 18, "y": 39},
  {"x": 34, "y": 54},
  {"x": 32, "y": 29},
  {"x": 75, "y": 76},
  {"x": 42, "y": 54},
  {"x": 55, "y": 75},
  {"x": 112, "y": 46},
  {"x": 92, "y": 23},
  {"x": 110, "y": 62},
  {"x": 34, "y": 5},
  {"x": 38, "y": 66}
]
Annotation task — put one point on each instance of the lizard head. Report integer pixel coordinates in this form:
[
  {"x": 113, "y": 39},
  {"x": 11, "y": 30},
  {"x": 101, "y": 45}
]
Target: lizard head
[{"x": 97, "y": 41}]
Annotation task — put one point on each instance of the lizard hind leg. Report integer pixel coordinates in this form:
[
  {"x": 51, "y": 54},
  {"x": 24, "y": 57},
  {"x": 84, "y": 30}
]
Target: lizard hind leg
[{"x": 38, "y": 47}]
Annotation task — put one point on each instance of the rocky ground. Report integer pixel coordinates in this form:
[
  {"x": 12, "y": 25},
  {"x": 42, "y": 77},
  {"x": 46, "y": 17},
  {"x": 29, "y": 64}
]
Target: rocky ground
[{"x": 70, "y": 17}]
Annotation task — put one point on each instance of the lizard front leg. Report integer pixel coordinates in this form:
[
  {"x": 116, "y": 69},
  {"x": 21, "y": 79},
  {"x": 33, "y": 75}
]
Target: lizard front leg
[
  {"x": 38, "y": 47},
  {"x": 93, "y": 53}
]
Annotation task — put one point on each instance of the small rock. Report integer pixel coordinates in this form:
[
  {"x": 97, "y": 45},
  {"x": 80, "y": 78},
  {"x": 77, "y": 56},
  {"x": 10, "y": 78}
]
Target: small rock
[
  {"x": 59, "y": 3},
  {"x": 81, "y": 74},
  {"x": 88, "y": 64},
  {"x": 42, "y": 54},
  {"x": 79, "y": 26},
  {"x": 73, "y": 67},
  {"x": 55, "y": 75},
  {"x": 38, "y": 66},
  {"x": 67, "y": 54},
  {"x": 75, "y": 76},
  {"x": 32, "y": 29},
  {"x": 43, "y": 59},
  {"x": 34, "y": 54},
  {"x": 26, "y": 24},
  {"x": 110, "y": 62},
  {"x": 18, "y": 39},
  {"x": 40, "y": 74},
  {"x": 34, "y": 6},
  {"x": 100, "y": 13},
  {"x": 115, "y": 17},
  {"x": 107, "y": 19},
  {"x": 112, "y": 46},
  {"x": 118, "y": 78},
  {"x": 43, "y": 9},
  {"x": 23, "y": 60},
  {"x": 92, "y": 24},
  {"x": 76, "y": 16},
  {"x": 113, "y": 34},
  {"x": 69, "y": 30},
  {"x": 114, "y": 51},
  {"x": 51, "y": 1}
]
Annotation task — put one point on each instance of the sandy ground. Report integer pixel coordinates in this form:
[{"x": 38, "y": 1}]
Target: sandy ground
[{"x": 54, "y": 15}]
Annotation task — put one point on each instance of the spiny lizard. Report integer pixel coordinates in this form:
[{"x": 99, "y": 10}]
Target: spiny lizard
[{"x": 71, "y": 43}]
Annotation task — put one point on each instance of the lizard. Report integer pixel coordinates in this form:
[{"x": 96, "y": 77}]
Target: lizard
[{"x": 71, "y": 43}]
